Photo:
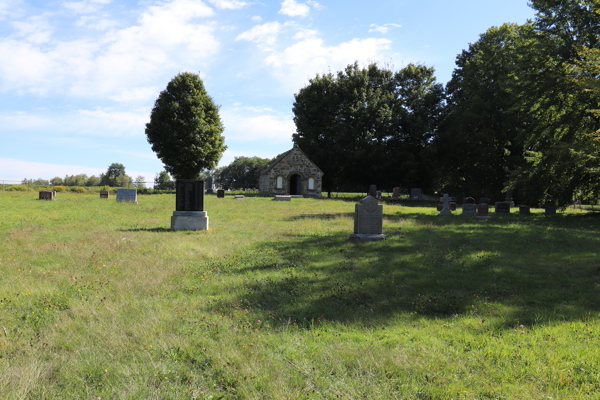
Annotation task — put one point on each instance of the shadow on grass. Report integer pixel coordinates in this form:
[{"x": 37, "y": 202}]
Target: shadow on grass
[{"x": 512, "y": 269}]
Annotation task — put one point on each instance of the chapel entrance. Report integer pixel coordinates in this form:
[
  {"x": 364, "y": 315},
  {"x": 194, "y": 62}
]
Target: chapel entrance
[{"x": 295, "y": 185}]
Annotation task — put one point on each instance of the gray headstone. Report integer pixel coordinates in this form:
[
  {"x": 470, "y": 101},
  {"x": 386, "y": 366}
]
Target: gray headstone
[
  {"x": 220, "y": 194},
  {"x": 189, "y": 195},
  {"x": 469, "y": 209},
  {"x": 46, "y": 195},
  {"x": 129, "y": 195},
  {"x": 104, "y": 194},
  {"x": 415, "y": 193},
  {"x": 503, "y": 207},
  {"x": 446, "y": 208},
  {"x": 368, "y": 217},
  {"x": 550, "y": 209}
]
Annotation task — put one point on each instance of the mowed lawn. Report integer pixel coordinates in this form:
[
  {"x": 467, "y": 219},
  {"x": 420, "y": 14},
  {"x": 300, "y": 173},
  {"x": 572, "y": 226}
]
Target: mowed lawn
[{"x": 100, "y": 300}]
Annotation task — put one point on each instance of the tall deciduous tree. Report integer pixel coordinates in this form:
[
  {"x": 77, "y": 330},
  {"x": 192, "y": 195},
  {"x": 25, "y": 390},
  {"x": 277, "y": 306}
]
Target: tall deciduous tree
[
  {"x": 185, "y": 128},
  {"x": 114, "y": 176},
  {"x": 243, "y": 172},
  {"x": 163, "y": 181},
  {"x": 370, "y": 125}
]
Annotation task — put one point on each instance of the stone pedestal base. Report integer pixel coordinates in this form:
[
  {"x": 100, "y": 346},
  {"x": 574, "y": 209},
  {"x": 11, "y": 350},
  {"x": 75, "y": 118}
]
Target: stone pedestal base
[
  {"x": 366, "y": 237},
  {"x": 189, "y": 221}
]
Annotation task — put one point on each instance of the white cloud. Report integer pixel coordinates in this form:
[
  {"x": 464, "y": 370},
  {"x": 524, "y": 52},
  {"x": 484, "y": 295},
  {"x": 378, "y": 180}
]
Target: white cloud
[
  {"x": 293, "y": 9},
  {"x": 35, "y": 30},
  {"x": 257, "y": 18},
  {"x": 137, "y": 94},
  {"x": 96, "y": 23},
  {"x": 229, "y": 4},
  {"x": 315, "y": 5},
  {"x": 166, "y": 36},
  {"x": 303, "y": 60},
  {"x": 247, "y": 124},
  {"x": 23, "y": 120},
  {"x": 107, "y": 122},
  {"x": 264, "y": 35},
  {"x": 85, "y": 6},
  {"x": 10, "y": 9},
  {"x": 383, "y": 28}
]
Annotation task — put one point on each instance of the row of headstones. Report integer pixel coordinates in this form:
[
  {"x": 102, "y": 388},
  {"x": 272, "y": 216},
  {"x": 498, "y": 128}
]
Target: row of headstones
[
  {"x": 415, "y": 193},
  {"x": 470, "y": 208}
]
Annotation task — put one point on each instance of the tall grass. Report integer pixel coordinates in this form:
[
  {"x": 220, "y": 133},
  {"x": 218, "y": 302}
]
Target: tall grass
[{"x": 100, "y": 299}]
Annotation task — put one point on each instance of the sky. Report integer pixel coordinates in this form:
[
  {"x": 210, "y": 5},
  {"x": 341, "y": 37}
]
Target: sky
[{"x": 78, "y": 79}]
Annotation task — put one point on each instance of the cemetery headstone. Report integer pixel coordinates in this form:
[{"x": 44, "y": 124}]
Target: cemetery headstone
[
  {"x": 482, "y": 211},
  {"x": 378, "y": 194},
  {"x": 46, "y": 195},
  {"x": 396, "y": 192},
  {"x": 440, "y": 207},
  {"x": 220, "y": 194},
  {"x": 484, "y": 200},
  {"x": 368, "y": 221},
  {"x": 524, "y": 210},
  {"x": 53, "y": 194},
  {"x": 129, "y": 195},
  {"x": 550, "y": 209},
  {"x": 189, "y": 214},
  {"x": 373, "y": 190},
  {"x": 282, "y": 198},
  {"x": 502, "y": 207},
  {"x": 446, "y": 208},
  {"x": 469, "y": 209},
  {"x": 416, "y": 193},
  {"x": 469, "y": 200},
  {"x": 104, "y": 194},
  {"x": 452, "y": 206},
  {"x": 239, "y": 197},
  {"x": 209, "y": 184}
]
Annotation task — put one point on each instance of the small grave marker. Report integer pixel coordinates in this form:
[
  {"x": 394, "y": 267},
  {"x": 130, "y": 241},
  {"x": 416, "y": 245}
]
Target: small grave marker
[
  {"x": 524, "y": 210},
  {"x": 416, "y": 193},
  {"x": 446, "y": 207},
  {"x": 368, "y": 221},
  {"x": 46, "y": 195},
  {"x": 396, "y": 192},
  {"x": 503, "y": 207},
  {"x": 104, "y": 194},
  {"x": 550, "y": 209},
  {"x": 373, "y": 190},
  {"x": 282, "y": 198},
  {"x": 220, "y": 194}
]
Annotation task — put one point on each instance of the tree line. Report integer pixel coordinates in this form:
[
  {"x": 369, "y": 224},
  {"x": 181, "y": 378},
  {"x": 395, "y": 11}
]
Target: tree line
[{"x": 520, "y": 113}]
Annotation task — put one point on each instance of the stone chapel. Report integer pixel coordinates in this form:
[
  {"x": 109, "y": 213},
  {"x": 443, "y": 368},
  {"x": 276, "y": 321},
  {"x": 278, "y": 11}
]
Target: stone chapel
[{"x": 292, "y": 173}]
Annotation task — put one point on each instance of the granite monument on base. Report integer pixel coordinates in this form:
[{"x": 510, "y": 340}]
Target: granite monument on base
[
  {"x": 189, "y": 214},
  {"x": 368, "y": 221}
]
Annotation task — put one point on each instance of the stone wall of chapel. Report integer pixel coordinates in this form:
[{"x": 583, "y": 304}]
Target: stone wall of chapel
[{"x": 294, "y": 162}]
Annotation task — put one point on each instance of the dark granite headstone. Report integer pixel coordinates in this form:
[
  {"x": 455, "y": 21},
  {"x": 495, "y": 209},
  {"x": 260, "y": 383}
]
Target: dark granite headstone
[
  {"x": 503, "y": 207},
  {"x": 440, "y": 207},
  {"x": 220, "y": 194},
  {"x": 525, "y": 210},
  {"x": 550, "y": 209},
  {"x": 189, "y": 195},
  {"x": 415, "y": 193},
  {"x": 46, "y": 195},
  {"x": 452, "y": 206},
  {"x": 373, "y": 190},
  {"x": 484, "y": 200},
  {"x": 104, "y": 194},
  {"x": 482, "y": 210},
  {"x": 469, "y": 200},
  {"x": 396, "y": 192}
]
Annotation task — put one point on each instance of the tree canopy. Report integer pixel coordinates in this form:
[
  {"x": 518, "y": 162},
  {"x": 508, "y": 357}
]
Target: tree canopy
[
  {"x": 243, "y": 172},
  {"x": 185, "y": 128},
  {"x": 370, "y": 125}
]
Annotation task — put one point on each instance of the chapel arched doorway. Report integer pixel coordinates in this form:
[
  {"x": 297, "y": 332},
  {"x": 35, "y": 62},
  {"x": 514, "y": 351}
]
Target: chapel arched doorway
[{"x": 295, "y": 185}]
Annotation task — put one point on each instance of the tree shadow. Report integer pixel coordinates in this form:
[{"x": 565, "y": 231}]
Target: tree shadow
[
  {"x": 516, "y": 269},
  {"x": 157, "y": 229}
]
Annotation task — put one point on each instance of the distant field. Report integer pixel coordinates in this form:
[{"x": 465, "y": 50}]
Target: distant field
[{"x": 100, "y": 300}]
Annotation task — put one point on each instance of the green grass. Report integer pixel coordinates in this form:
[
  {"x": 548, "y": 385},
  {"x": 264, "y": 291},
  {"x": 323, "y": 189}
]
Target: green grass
[{"x": 100, "y": 300}]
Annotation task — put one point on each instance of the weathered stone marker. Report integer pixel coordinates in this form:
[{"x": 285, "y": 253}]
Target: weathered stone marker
[
  {"x": 104, "y": 194},
  {"x": 373, "y": 190},
  {"x": 46, "y": 195},
  {"x": 282, "y": 198},
  {"x": 482, "y": 211},
  {"x": 220, "y": 194},
  {"x": 550, "y": 209},
  {"x": 446, "y": 208},
  {"x": 525, "y": 210},
  {"x": 416, "y": 193},
  {"x": 129, "y": 195},
  {"x": 503, "y": 207},
  {"x": 189, "y": 214},
  {"x": 368, "y": 221},
  {"x": 396, "y": 192},
  {"x": 469, "y": 209},
  {"x": 239, "y": 197}
]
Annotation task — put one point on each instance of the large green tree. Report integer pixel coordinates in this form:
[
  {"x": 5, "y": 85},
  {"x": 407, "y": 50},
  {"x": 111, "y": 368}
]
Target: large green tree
[
  {"x": 243, "y": 172},
  {"x": 114, "y": 176},
  {"x": 185, "y": 128},
  {"x": 370, "y": 125}
]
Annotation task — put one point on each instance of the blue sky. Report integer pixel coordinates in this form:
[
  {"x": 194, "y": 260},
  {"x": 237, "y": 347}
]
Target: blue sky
[{"x": 78, "y": 79}]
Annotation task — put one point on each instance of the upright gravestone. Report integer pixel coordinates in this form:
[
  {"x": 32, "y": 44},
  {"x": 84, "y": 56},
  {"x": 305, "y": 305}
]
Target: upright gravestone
[
  {"x": 484, "y": 200},
  {"x": 46, "y": 195},
  {"x": 104, "y": 194},
  {"x": 368, "y": 221},
  {"x": 550, "y": 209},
  {"x": 415, "y": 193},
  {"x": 525, "y": 210},
  {"x": 482, "y": 211},
  {"x": 220, "y": 194},
  {"x": 129, "y": 195},
  {"x": 469, "y": 206},
  {"x": 503, "y": 207},
  {"x": 396, "y": 192},
  {"x": 446, "y": 208},
  {"x": 373, "y": 190},
  {"x": 189, "y": 214},
  {"x": 209, "y": 184},
  {"x": 378, "y": 194}
]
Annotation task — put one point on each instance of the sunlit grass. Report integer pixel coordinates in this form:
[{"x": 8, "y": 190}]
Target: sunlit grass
[{"x": 100, "y": 299}]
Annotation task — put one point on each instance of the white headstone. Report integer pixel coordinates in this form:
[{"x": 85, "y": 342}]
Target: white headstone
[{"x": 446, "y": 200}]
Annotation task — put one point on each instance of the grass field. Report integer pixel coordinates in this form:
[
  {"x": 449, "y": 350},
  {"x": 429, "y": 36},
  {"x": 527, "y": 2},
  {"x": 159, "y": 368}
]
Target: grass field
[{"x": 100, "y": 300}]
